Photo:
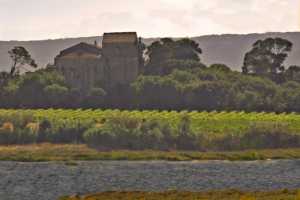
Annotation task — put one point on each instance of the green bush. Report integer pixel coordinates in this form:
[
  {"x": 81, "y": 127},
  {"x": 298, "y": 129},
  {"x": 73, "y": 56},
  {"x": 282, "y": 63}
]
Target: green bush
[
  {"x": 128, "y": 133},
  {"x": 26, "y": 136},
  {"x": 269, "y": 135},
  {"x": 152, "y": 135},
  {"x": 7, "y": 137},
  {"x": 67, "y": 131},
  {"x": 44, "y": 131},
  {"x": 186, "y": 139},
  {"x": 131, "y": 133},
  {"x": 258, "y": 136},
  {"x": 19, "y": 136},
  {"x": 101, "y": 138}
]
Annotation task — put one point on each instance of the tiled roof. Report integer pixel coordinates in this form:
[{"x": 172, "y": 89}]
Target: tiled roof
[
  {"x": 119, "y": 37},
  {"x": 82, "y": 47}
]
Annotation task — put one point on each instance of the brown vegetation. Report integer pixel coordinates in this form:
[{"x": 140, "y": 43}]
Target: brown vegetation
[{"x": 211, "y": 195}]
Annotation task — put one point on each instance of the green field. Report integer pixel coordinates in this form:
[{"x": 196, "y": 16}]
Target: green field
[{"x": 210, "y": 123}]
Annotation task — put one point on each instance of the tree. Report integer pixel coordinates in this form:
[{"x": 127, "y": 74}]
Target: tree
[
  {"x": 187, "y": 49},
  {"x": 289, "y": 96},
  {"x": 220, "y": 67},
  {"x": 160, "y": 53},
  {"x": 267, "y": 56},
  {"x": 293, "y": 73},
  {"x": 294, "y": 69},
  {"x": 56, "y": 94},
  {"x": 31, "y": 89},
  {"x": 175, "y": 64},
  {"x": 207, "y": 95},
  {"x": 95, "y": 97},
  {"x": 3, "y": 79},
  {"x": 20, "y": 58}
]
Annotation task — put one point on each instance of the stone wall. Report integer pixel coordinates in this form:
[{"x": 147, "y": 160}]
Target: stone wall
[
  {"x": 81, "y": 72},
  {"x": 122, "y": 61}
]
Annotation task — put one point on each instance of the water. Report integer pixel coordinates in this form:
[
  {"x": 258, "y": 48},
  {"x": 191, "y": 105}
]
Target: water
[{"x": 48, "y": 181}]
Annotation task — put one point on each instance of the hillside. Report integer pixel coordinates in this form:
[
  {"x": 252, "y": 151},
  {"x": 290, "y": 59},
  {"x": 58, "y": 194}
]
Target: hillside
[{"x": 228, "y": 49}]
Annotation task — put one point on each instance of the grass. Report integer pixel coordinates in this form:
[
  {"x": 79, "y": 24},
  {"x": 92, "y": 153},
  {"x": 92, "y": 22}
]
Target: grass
[
  {"x": 173, "y": 195},
  {"x": 64, "y": 152}
]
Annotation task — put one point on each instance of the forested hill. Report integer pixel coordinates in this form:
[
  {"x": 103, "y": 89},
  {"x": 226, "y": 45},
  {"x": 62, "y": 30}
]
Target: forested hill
[{"x": 228, "y": 49}]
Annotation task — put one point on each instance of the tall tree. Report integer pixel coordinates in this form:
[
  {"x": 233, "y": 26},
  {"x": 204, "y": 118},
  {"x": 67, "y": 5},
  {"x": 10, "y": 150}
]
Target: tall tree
[
  {"x": 20, "y": 59},
  {"x": 3, "y": 78},
  {"x": 161, "y": 53},
  {"x": 293, "y": 73},
  {"x": 267, "y": 56}
]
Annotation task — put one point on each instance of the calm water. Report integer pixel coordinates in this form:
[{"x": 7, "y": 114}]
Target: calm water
[{"x": 48, "y": 181}]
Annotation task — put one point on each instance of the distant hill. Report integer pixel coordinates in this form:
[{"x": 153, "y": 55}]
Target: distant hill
[{"x": 228, "y": 49}]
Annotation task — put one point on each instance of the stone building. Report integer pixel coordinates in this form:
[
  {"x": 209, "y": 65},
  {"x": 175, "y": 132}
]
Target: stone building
[{"x": 117, "y": 63}]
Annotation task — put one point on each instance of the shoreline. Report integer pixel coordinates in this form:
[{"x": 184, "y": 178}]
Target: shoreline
[
  {"x": 80, "y": 152},
  {"x": 230, "y": 194}
]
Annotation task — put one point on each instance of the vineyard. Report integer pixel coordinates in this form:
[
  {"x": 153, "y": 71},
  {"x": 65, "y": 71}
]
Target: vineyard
[
  {"x": 71, "y": 126},
  {"x": 201, "y": 122}
]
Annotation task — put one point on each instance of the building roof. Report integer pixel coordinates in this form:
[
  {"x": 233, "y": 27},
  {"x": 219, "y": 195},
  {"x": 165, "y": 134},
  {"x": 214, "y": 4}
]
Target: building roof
[
  {"x": 119, "y": 37},
  {"x": 82, "y": 48}
]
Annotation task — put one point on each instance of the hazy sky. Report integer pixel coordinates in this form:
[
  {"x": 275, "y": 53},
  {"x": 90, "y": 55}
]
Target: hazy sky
[{"x": 42, "y": 19}]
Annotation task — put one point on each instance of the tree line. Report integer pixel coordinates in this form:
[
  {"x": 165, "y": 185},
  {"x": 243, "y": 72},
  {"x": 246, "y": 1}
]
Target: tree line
[{"x": 172, "y": 78}]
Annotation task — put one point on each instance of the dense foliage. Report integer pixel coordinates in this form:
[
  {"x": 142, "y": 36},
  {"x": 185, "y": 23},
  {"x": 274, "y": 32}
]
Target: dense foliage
[
  {"x": 210, "y": 89},
  {"x": 267, "y": 56},
  {"x": 139, "y": 130},
  {"x": 43, "y": 88},
  {"x": 167, "y": 54},
  {"x": 173, "y": 78}
]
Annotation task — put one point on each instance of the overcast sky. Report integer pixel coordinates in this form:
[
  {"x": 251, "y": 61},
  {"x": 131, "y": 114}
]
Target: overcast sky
[{"x": 43, "y": 19}]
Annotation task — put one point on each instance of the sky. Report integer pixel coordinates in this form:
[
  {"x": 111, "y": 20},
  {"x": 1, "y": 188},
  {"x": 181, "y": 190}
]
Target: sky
[{"x": 50, "y": 19}]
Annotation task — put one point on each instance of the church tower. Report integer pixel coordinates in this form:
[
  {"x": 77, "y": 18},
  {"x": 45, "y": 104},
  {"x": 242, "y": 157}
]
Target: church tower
[{"x": 122, "y": 57}]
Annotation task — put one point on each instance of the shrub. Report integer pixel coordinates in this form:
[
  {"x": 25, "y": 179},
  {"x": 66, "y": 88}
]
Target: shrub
[
  {"x": 7, "y": 135},
  {"x": 269, "y": 135},
  {"x": 8, "y": 127},
  {"x": 44, "y": 131},
  {"x": 101, "y": 138},
  {"x": 151, "y": 136},
  {"x": 186, "y": 139},
  {"x": 26, "y": 136},
  {"x": 20, "y": 119},
  {"x": 11, "y": 135},
  {"x": 68, "y": 131},
  {"x": 224, "y": 143},
  {"x": 129, "y": 133},
  {"x": 34, "y": 127}
]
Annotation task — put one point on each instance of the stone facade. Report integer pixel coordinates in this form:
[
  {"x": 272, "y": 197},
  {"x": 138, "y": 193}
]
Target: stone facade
[{"x": 116, "y": 63}]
